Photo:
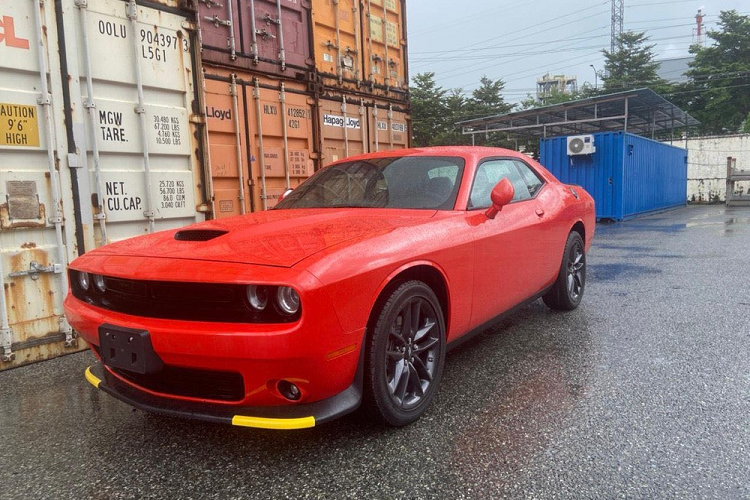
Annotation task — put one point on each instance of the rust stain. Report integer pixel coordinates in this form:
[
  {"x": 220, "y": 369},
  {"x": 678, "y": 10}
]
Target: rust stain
[
  {"x": 29, "y": 244},
  {"x": 7, "y": 223}
]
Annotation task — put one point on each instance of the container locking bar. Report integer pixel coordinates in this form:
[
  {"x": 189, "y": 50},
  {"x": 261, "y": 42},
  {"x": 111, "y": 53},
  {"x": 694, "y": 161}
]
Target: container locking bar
[{"x": 35, "y": 269}]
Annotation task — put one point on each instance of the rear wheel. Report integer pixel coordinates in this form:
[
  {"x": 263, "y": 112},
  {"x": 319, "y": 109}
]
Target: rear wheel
[
  {"x": 567, "y": 292},
  {"x": 405, "y": 355}
]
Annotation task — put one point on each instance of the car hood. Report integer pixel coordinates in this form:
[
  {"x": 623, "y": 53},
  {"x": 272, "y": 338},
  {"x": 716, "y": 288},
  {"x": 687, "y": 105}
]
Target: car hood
[{"x": 273, "y": 238}]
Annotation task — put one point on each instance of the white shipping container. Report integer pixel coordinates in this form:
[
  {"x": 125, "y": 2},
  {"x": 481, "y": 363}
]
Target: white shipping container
[{"x": 95, "y": 147}]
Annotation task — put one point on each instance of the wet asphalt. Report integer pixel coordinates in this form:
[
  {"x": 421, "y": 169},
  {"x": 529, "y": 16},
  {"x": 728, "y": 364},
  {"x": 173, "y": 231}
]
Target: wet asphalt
[{"x": 642, "y": 392}]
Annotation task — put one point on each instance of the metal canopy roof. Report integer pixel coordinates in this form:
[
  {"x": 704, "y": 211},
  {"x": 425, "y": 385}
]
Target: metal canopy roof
[{"x": 641, "y": 111}]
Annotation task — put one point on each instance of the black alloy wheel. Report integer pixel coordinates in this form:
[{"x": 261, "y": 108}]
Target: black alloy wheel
[
  {"x": 567, "y": 292},
  {"x": 405, "y": 355}
]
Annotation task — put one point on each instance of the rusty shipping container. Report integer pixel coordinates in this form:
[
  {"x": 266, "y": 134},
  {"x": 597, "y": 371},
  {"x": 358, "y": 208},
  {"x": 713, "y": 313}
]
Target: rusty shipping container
[
  {"x": 360, "y": 46},
  {"x": 100, "y": 140},
  {"x": 265, "y": 36}
]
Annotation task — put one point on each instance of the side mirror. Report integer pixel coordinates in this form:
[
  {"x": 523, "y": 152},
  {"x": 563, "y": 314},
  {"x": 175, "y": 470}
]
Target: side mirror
[
  {"x": 501, "y": 195},
  {"x": 285, "y": 194}
]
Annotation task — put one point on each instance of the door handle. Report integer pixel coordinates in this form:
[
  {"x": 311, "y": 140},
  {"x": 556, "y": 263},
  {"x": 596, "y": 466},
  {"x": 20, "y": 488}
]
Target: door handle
[{"x": 539, "y": 212}]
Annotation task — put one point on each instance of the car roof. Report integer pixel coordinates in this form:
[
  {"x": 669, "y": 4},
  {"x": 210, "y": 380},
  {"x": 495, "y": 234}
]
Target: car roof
[{"x": 466, "y": 152}]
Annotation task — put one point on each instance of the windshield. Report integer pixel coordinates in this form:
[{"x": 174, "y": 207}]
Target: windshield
[{"x": 422, "y": 182}]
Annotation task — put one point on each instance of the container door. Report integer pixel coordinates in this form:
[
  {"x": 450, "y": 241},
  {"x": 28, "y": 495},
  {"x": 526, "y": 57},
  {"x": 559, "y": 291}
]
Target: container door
[
  {"x": 142, "y": 141},
  {"x": 219, "y": 30},
  {"x": 281, "y": 138},
  {"x": 336, "y": 35},
  {"x": 37, "y": 230},
  {"x": 387, "y": 126},
  {"x": 276, "y": 35},
  {"x": 343, "y": 129},
  {"x": 225, "y": 112},
  {"x": 383, "y": 45}
]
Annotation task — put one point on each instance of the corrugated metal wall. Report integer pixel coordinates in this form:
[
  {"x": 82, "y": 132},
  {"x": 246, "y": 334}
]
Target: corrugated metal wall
[{"x": 628, "y": 175}]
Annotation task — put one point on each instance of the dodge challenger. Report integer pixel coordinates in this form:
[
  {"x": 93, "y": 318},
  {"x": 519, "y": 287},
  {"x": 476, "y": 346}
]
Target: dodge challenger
[{"x": 349, "y": 292}]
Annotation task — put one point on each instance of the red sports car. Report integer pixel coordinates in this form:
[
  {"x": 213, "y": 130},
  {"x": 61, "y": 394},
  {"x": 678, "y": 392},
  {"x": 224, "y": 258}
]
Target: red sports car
[{"x": 347, "y": 292}]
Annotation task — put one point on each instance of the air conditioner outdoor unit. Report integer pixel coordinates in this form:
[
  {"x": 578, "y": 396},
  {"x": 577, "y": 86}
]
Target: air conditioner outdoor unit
[{"x": 581, "y": 145}]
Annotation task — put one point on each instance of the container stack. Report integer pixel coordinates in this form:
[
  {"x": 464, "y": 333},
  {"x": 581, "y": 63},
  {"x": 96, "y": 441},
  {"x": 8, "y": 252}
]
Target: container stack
[
  {"x": 291, "y": 86},
  {"x": 123, "y": 117}
]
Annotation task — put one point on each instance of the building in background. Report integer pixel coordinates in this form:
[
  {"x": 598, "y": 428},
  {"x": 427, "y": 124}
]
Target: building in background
[{"x": 549, "y": 85}]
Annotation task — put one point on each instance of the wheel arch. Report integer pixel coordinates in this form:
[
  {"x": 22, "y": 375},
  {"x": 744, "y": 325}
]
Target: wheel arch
[
  {"x": 426, "y": 271},
  {"x": 580, "y": 228}
]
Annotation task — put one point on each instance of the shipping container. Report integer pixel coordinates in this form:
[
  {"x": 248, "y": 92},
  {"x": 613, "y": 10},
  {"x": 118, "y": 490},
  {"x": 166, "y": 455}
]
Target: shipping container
[
  {"x": 352, "y": 125},
  {"x": 264, "y": 36},
  {"x": 261, "y": 139},
  {"x": 101, "y": 140},
  {"x": 628, "y": 175},
  {"x": 360, "y": 47}
]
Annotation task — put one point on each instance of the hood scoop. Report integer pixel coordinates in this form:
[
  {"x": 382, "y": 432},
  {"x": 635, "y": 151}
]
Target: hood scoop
[{"x": 198, "y": 234}]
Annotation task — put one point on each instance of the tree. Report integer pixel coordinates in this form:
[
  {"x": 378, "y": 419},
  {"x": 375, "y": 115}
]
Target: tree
[
  {"x": 487, "y": 100},
  {"x": 718, "y": 93},
  {"x": 428, "y": 109},
  {"x": 631, "y": 65},
  {"x": 455, "y": 103}
]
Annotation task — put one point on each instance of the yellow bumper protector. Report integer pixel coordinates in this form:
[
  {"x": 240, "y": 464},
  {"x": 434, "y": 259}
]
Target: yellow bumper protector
[
  {"x": 93, "y": 380},
  {"x": 274, "y": 423}
]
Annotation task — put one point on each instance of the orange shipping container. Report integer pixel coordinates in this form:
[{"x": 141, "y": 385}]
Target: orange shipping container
[
  {"x": 360, "y": 47},
  {"x": 260, "y": 136},
  {"x": 351, "y": 125}
]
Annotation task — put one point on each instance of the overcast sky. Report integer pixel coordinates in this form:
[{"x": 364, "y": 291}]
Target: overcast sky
[{"x": 521, "y": 40}]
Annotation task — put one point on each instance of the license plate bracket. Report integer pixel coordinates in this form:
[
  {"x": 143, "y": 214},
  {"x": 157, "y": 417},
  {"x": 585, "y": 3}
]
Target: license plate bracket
[{"x": 128, "y": 349}]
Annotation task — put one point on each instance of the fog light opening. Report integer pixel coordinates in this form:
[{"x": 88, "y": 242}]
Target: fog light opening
[{"x": 289, "y": 390}]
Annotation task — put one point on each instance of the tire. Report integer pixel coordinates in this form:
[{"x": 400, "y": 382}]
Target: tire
[
  {"x": 403, "y": 367},
  {"x": 567, "y": 292}
]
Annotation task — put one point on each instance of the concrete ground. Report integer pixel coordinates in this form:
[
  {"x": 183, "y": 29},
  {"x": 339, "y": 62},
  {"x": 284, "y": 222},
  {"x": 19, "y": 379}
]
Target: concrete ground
[{"x": 642, "y": 392}]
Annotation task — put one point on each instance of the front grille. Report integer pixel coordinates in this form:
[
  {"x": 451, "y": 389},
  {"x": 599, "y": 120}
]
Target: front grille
[
  {"x": 214, "y": 302},
  {"x": 189, "y": 382}
]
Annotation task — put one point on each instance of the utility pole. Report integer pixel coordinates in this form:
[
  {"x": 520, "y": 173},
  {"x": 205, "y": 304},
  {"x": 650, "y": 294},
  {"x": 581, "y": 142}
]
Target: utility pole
[{"x": 618, "y": 14}]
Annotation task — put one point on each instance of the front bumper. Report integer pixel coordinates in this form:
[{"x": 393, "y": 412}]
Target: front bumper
[{"x": 288, "y": 417}]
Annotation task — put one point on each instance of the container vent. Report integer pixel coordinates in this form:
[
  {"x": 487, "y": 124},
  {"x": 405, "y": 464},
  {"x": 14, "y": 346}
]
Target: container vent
[{"x": 198, "y": 234}]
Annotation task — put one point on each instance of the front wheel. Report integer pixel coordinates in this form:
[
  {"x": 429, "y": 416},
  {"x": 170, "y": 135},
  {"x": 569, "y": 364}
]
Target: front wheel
[
  {"x": 567, "y": 292},
  {"x": 405, "y": 355}
]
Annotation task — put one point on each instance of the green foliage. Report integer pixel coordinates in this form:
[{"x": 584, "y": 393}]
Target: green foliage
[
  {"x": 427, "y": 108},
  {"x": 718, "y": 93},
  {"x": 631, "y": 65}
]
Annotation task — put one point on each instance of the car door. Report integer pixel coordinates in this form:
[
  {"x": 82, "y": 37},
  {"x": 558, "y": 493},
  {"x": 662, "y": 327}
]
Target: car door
[{"x": 509, "y": 250}]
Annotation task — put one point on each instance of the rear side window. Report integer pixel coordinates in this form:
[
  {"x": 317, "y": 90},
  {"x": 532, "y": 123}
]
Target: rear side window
[{"x": 533, "y": 182}]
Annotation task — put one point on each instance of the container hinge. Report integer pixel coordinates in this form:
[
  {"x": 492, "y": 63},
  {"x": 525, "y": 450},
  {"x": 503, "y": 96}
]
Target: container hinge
[
  {"x": 211, "y": 3},
  {"x": 264, "y": 34},
  {"x": 35, "y": 269},
  {"x": 6, "y": 342},
  {"x": 269, "y": 20},
  {"x": 71, "y": 339},
  {"x": 89, "y": 103},
  {"x": 217, "y": 21},
  {"x": 74, "y": 160}
]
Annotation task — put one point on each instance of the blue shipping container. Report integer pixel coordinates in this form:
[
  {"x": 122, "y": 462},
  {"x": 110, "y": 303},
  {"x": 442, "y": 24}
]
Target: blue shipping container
[{"x": 628, "y": 175}]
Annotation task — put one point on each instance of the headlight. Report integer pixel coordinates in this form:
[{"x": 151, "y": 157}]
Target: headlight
[
  {"x": 257, "y": 296},
  {"x": 84, "y": 281},
  {"x": 288, "y": 300},
  {"x": 99, "y": 283}
]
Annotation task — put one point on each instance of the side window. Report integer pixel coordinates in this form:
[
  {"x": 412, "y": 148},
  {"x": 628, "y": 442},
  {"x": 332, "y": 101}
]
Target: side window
[
  {"x": 489, "y": 174},
  {"x": 533, "y": 182}
]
